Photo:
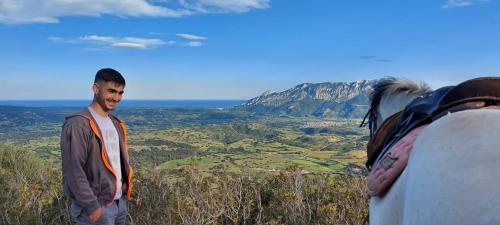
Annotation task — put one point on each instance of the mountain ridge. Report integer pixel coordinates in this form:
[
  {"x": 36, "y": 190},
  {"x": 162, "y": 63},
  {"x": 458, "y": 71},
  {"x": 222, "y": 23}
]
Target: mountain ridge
[{"x": 343, "y": 99}]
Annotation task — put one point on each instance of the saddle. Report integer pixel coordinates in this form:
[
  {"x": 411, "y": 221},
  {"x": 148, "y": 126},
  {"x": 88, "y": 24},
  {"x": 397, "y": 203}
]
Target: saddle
[{"x": 471, "y": 94}]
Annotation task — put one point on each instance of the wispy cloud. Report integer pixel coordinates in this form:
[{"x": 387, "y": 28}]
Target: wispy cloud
[
  {"x": 383, "y": 60},
  {"x": 128, "y": 45},
  {"x": 116, "y": 42},
  {"x": 194, "y": 40},
  {"x": 194, "y": 44},
  {"x": 97, "y": 38},
  {"x": 62, "y": 40},
  {"x": 158, "y": 33},
  {"x": 367, "y": 57},
  {"x": 192, "y": 37},
  {"x": 375, "y": 58},
  {"x": 461, "y": 3},
  {"x": 224, "y": 6},
  {"x": 50, "y": 11}
]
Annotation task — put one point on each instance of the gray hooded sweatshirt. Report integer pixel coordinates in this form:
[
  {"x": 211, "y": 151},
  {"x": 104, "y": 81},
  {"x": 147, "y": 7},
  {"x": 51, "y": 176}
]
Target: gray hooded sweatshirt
[{"x": 88, "y": 177}]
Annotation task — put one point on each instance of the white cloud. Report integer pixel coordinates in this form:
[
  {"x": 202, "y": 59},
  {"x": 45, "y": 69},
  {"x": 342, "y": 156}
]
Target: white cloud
[
  {"x": 158, "y": 33},
  {"x": 96, "y": 38},
  {"x": 50, "y": 11},
  {"x": 194, "y": 44},
  {"x": 224, "y": 6},
  {"x": 62, "y": 40},
  {"x": 192, "y": 37},
  {"x": 129, "y": 45},
  {"x": 118, "y": 42},
  {"x": 144, "y": 41},
  {"x": 461, "y": 3}
]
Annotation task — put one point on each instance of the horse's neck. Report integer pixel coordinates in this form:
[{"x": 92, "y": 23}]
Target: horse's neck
[{"x": 394, "y": 103}]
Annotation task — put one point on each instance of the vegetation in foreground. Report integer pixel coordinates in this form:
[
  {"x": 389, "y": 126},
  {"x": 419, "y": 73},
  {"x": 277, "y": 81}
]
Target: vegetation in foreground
[
  {"x": 32, "y": 194},
  {"x": 196, "y": 166}
]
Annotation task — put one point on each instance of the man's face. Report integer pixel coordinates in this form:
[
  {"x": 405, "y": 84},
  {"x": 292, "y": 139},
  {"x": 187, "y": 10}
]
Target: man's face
[{"x": 108, "y": 94}]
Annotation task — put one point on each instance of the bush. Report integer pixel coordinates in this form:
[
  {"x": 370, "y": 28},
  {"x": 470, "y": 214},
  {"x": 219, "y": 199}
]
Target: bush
[{"x": 32, "y": 194}]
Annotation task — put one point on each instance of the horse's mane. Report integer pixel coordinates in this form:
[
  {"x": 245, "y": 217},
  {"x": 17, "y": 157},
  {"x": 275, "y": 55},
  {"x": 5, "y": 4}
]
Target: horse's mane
[{"x": 391, "y": 86}]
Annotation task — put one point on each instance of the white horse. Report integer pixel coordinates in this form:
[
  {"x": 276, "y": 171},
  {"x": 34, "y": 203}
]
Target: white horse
[{"x": 453, "y": 172}]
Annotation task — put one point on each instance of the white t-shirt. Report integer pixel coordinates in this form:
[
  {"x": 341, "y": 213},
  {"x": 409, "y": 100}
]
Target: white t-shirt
[{"x": 111, "y": 144}]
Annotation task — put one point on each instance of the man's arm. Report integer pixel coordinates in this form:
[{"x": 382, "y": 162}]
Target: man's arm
[
  {"x": 74, "y": 144},
  {"x": 95, "y": 215}
]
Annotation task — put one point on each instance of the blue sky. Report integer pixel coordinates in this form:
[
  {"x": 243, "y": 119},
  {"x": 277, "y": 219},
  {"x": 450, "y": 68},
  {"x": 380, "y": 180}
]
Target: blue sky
[{"x": 237, "y": 49}]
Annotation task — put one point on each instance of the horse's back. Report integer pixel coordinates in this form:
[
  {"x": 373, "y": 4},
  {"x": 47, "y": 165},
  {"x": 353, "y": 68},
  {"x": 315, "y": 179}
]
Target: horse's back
[
  {"x": 453, "y": 173},
  {"x": 387, "y": 209}
]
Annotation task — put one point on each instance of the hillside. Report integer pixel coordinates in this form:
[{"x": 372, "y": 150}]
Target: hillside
[
  {"x": 342, "y": 99},
  {"x": 245, "y": 167}
]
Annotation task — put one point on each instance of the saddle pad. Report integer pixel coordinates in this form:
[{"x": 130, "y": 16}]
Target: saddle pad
[{"x": 392, "y": 164}]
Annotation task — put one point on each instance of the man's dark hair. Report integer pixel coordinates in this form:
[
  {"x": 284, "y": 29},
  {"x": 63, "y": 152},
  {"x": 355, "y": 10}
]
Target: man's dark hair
[{"x": 108, "y": 74}]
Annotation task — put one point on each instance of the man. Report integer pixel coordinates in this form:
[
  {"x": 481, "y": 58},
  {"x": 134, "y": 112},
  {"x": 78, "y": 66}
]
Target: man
[{"x": 95, "y": 163}]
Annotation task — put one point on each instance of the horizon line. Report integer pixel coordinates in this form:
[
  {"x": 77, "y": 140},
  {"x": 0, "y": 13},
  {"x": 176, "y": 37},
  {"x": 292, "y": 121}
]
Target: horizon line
[{"x": 126, "y": 100}]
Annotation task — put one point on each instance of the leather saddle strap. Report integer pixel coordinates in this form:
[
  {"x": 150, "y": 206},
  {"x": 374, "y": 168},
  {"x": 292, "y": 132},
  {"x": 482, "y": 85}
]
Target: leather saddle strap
[
  {"x": 382, "y": 136},
  {"x": 465, "y": 104}
]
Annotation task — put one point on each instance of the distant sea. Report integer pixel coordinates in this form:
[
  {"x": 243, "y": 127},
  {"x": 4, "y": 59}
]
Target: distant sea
[{"x": 128, "y": 103}]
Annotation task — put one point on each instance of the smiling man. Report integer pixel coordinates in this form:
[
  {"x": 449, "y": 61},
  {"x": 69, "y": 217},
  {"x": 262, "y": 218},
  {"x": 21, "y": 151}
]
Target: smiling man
[{"x": 95, "y": 163}]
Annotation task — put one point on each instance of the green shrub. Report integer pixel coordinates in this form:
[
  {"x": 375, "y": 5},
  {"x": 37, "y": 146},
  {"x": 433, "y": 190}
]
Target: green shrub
[{"x": 32, "y": 194}]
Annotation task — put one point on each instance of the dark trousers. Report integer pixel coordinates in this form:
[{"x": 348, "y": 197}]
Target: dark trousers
[{"x": 114, "y": 214}]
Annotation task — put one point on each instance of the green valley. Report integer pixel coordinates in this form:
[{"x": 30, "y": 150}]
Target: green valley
[{"x": 208, "y": 139}]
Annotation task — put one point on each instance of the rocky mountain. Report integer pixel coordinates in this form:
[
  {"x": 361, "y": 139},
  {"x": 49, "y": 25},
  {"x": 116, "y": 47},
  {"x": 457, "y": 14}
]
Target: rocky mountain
[{"x": 343, "y": 99}]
